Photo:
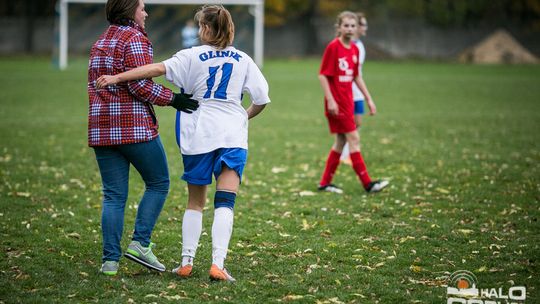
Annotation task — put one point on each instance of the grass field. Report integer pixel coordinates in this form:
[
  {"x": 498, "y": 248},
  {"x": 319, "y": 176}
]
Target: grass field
[{"x": 460, "y": 144}]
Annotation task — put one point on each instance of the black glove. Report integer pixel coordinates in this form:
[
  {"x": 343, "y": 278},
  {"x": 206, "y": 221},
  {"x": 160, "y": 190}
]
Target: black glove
[{"x": 183, "y": 102}]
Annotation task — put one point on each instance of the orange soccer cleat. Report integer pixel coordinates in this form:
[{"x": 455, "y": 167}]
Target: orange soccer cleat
[
  {"x": 217, "y": 274},
  {"x": 183, "y": 271},
  {"x": 346, "y": 161}
]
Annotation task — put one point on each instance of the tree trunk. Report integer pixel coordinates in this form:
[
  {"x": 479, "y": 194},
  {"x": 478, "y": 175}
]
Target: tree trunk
[
  {"x": 310, "y": 28},
  {"x": 29, "y": 16}
]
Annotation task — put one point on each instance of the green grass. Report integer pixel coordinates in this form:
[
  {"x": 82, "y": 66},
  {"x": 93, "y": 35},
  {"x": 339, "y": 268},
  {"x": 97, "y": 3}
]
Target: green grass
[{"x": 460, "y": 144}]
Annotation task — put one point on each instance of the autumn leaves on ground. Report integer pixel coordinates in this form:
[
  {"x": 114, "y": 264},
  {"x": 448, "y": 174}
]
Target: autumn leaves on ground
[{"x": 459, "y": 143}]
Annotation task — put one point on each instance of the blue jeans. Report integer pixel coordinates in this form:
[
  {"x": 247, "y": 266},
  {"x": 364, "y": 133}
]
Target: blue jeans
[{"x": 114, "y": 161}]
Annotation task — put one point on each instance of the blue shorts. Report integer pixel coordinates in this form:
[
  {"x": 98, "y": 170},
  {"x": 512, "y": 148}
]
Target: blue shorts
[
  {"x": 198, "y": 168},
  {"x": 358, "y": 107}
]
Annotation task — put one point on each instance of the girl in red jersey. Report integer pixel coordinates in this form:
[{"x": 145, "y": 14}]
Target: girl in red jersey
[{"x": 338, "y": 71}]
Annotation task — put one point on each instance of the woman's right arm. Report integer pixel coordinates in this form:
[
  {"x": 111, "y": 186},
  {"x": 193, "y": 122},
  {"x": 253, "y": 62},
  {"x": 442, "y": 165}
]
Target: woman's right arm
[{"x": 143, "y": 72}]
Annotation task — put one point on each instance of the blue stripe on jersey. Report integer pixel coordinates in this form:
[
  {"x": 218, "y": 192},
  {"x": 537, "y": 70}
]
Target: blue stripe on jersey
[
  {"x": 221, "y": 92},
  {"x": 177, "y": 128},
  {"x": 211, "y": 79}
]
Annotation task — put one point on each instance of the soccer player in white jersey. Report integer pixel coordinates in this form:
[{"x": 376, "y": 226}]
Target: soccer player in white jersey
[
  {"x": 213, "y": 139},
  {"x": 358, "y": 96}
]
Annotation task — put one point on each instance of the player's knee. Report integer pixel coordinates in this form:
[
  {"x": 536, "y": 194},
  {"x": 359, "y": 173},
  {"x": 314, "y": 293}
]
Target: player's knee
[
  {"x": 196, "y": 205},
  {"x": 353, "y": 141},
  {"x": 340, "y": 140}
]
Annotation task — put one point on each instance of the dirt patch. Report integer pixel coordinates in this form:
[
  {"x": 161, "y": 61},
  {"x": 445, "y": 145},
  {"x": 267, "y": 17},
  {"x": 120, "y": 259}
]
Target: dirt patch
[{"x": 499, "y": 47}]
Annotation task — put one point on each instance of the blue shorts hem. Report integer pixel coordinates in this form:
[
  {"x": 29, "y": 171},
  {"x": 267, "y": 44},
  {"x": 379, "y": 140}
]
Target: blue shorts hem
[
  {"x": 196, "y": 181},
  {"x": 359, "y": 107},
  {"x": 236, "y": 169},
  {"x": 199, "y": 168}
]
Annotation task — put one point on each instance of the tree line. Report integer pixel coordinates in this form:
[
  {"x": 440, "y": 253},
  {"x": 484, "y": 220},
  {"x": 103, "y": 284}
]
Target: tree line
[{"x": 442, "y": 13}]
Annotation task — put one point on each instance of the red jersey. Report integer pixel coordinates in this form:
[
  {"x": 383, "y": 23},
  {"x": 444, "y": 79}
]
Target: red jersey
[{"x": 339, "y": 65}]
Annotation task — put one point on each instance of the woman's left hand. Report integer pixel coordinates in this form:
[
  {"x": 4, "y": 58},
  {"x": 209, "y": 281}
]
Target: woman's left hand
[{"x": 105, "y": 80}]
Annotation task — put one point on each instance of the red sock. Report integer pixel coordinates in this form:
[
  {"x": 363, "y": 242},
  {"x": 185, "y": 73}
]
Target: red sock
[
  {"x": 360, "y": 168},
  {"x": 331, "y": 166}
]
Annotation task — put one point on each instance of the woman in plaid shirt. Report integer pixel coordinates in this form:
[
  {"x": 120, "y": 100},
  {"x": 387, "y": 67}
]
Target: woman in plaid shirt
[
  {"x": 123, "y": 131},
  {"x": 214, "y": 140}
]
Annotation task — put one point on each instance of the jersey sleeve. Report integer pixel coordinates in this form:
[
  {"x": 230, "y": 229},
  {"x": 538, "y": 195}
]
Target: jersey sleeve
[
  {"x": 328, "y": 66},
  {"x": 177, "y": 67},
  {"x": 256, "y": 85},
  {"x": 139, "y": 52},
  {"x": 361, "y": 56},
  {"x": 357, "y": 71}
]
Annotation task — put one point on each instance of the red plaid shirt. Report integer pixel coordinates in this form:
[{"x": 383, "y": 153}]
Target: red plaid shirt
[{"x": 122, "y": 113}]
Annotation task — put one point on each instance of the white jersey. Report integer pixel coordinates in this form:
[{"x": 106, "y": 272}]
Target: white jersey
[
  {"x": 357, "y": 94},
  {"x": 217, "y": 79}
]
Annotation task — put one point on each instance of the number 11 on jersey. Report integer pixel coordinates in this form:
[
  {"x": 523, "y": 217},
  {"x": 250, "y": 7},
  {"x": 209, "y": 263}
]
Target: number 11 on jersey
[{"x": 221, "y": 91}]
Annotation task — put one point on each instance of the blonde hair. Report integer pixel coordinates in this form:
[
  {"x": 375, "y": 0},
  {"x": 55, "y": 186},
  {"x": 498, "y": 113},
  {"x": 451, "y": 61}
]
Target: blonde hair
[
  {"x": 217, "y": 25},
  {"x": 341, "y": 16}
]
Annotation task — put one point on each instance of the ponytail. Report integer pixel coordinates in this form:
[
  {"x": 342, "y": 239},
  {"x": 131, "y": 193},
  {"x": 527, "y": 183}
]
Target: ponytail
[{"x": 219, "y": 26}]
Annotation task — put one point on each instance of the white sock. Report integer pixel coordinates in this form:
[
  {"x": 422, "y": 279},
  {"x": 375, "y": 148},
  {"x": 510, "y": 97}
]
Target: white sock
[
  {"x": 191, "y": 232},
  {"x": 345, "y": 153},
  {"x": 221, "y": 234}
]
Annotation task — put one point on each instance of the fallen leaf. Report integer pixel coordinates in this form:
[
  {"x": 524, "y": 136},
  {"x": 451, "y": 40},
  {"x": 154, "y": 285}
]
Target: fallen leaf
[
  {"x": 74, "y": 235},
  {"x": 305, "y": 225},
  {"x": 481, "y": 269},
  {"x": 306, "y": 193},
  {"x": 466, "y": 231},
  {"x": 415, "y": 268},
  {"x": 335, "y": 300},
  {"x": 292, "y": 297},
  {"x": 442, "y": 190},
  {"x": 278, "y": 170}
]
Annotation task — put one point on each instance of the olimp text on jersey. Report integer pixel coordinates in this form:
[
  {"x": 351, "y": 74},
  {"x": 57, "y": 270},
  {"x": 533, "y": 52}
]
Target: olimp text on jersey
[{"x": 219, "y": 54}]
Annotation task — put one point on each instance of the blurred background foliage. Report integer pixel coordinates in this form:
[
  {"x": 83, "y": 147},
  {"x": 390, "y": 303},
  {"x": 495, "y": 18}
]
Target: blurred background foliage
[
  {"x": 437, "y": 29},
  {"x": 442, "y": 13}
]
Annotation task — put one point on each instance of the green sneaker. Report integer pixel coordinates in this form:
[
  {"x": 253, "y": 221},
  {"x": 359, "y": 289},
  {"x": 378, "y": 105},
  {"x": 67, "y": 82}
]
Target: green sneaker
[
  {"x": 109, "y": 268},
  {"x": 143, "y": 255}
]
